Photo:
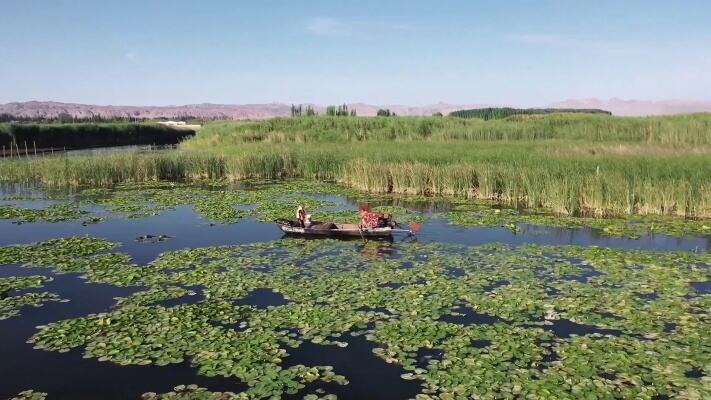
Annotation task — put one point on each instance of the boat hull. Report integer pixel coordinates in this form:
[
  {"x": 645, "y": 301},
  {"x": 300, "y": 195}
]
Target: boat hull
[{"x": 339, "y": 231}]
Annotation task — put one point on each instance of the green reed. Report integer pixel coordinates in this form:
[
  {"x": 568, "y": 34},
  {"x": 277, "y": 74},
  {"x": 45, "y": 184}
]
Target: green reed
[
  {"x": 565, "y": 174},
  {"x": 679, "y": 130}
]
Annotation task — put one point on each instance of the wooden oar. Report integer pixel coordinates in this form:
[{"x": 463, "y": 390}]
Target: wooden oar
[{"x": 404, "y": 231}]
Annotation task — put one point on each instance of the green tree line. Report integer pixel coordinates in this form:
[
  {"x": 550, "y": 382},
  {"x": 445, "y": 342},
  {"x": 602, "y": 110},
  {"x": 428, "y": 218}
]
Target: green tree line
[
  {"x": 88, "y": 135},
  {"x": 504, "y": 112}
]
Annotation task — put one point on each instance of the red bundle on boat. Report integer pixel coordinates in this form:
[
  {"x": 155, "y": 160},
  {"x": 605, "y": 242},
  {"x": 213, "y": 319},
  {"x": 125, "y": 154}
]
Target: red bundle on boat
[{"x": 371, "y": 219}]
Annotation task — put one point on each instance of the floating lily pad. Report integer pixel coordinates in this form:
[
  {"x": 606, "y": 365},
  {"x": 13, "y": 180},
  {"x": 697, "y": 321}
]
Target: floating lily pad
[{"x": 337, "y": 288}]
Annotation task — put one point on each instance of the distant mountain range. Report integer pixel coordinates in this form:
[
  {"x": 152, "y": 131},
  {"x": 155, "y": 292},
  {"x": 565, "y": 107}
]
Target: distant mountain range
[{"x": 50, "y": 109}]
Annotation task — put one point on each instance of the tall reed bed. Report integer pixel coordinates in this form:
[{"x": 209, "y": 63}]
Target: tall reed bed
[
  {"x": 102, "y": 170},
  {"x": 518, "y": 174},
  {"x": 559, "y": 185}
]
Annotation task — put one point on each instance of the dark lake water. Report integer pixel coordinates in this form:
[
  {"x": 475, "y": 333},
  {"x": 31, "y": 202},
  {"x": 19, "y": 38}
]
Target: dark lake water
[{"x": 69, "y": 376}]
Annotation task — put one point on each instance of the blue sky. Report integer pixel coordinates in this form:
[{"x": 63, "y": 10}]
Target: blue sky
[{"x": 410, "y": 52}]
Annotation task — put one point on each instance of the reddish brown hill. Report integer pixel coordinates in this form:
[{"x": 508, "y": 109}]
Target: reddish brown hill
[
  {"x": 50, "y": 109},
  {"x": 222, "y": 111}
]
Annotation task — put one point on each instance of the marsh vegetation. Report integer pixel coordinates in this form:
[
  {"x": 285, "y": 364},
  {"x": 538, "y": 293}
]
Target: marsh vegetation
[
  {"x": 558, "y": 256},
  {"x": 580, "y": 165},
  {"x": 233, "y": 311}
]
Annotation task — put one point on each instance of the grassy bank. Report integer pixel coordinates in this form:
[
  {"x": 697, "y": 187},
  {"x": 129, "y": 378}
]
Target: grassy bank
[
  {"x": 637, "y": 166},
  {"x": 86, "y": 135}
]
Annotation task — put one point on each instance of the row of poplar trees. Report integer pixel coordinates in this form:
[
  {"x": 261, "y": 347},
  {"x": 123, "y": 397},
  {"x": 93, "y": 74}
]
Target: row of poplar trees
[{"x": 336, "y": 111}]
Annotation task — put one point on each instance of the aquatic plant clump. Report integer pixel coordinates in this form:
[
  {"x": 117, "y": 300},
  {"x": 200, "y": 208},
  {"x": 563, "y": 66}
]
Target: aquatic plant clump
[
  {"x": 267, "y": 201},
  {"x": 13, "y": 295},
  {"x": 52, "y": 213},
  {"x": 482, "y": 214},
  {"x": 218, "y": 202},
  {"x": 30, "y": 395},
  {"x": 492, "y": 321},
  {"x": 194, "y": 392},
  {"x": 84, "y": 255}
]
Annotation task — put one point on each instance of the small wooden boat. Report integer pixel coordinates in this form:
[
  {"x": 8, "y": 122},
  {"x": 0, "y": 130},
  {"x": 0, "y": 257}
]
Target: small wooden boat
[{"x": 337, "y": 230}]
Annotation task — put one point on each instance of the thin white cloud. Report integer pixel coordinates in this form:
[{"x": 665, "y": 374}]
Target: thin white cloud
[
  {"x": 542, "y": 39},
  {"x": 326, "y": 26},
  {"x": 364, "y": 29},
  {"x": 574, "y": 42},
  {"x": 130, "y": 55}
]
